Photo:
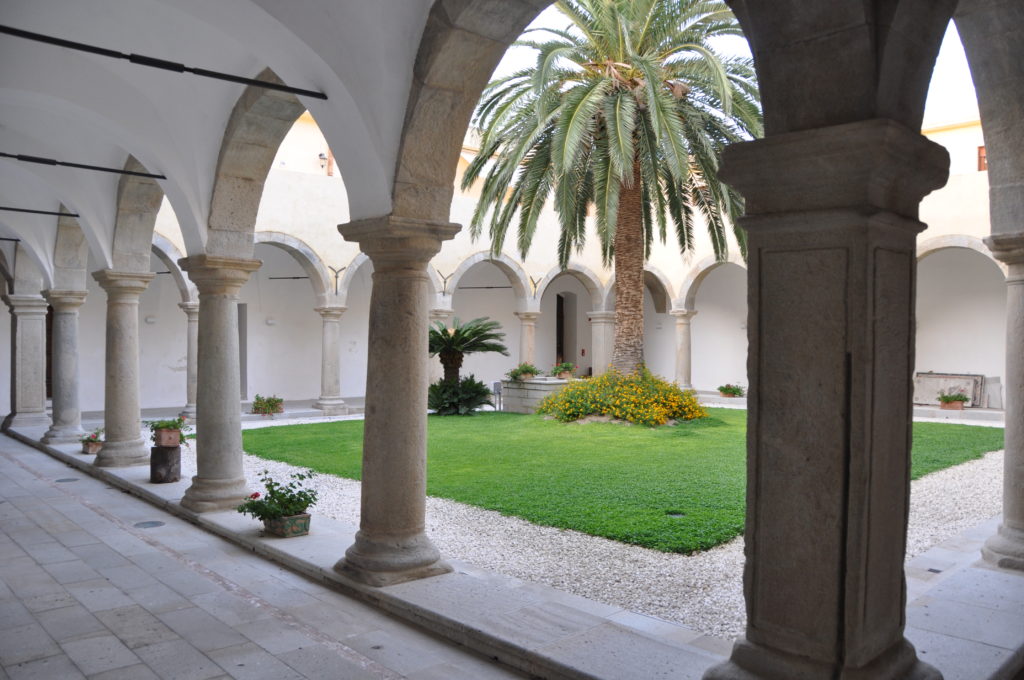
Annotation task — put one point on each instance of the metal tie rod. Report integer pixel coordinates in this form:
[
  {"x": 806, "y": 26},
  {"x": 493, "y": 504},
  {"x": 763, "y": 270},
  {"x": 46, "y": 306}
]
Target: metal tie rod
[
  {"x": 38, "y": 212},
  {"x": 153, "y": 62},
  {"x": 51, "y": 161}
]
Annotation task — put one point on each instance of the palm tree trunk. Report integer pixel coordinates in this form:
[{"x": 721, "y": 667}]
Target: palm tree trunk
[
  {"x": 628, "y": 351},
  {"x": 452, "y": 362}
]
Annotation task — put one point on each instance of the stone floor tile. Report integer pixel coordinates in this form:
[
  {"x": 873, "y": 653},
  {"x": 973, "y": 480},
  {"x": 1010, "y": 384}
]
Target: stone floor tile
[
  {"x": 51, "y": 600},
  {"x": 251, "y": 662},
  {"x": 401, "y": 650},
  {"x": 201, "y": 629},
  {"x": 75, "y": 538},
  {"x": 320, "y": 662},
  {"x": 158, "y": 598},
  {"x": 274, "y": 635},
  {"x": 58, "y": 667},
  {"x": 136, "y": 672},
  {"x": 339, "y": 623},
  {"x": 187, "y": 583},
  {"x": 26, "y": 643},
  {"x": 992, "y": 588},
  {"x": 969, "y": 622},
  {"x": 98, "y": 654},
  {"x": 539, "y": 624},
  {"x": 71, "y": 622},
  {"x": 232, "y": 608},
  {"x": 449, "y": 671},
  {"x": 958, "y": 659},
  {"x": 135, "y": 627},
  {"x": 97, "y": 595},
  {"x": 178, "y": 660},
  {"x": 13, "y": 614},
  {"x": 280, "y": 593},
  {"x": 127, "y": 576},
  {"x": 71, "y": 571},
  {"x": 51, "y": 551},
  {"x": 99, "y": 555}
]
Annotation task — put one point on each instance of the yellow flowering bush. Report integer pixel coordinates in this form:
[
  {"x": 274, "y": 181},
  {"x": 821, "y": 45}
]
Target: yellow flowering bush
[{"x": 641, "y": 398}]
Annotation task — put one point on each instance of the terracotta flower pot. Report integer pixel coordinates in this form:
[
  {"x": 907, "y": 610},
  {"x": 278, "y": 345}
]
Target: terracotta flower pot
[
  {"x": 527, "y": 376},
  {"x": 167, "y": 437},
  {"x": 286, "y": 527},
  {"x": 951, "y": 405},
  {"x": 564, "y": 375},
  {"x": 726, "y": 394},
  {"x": 92, "y": 448}
]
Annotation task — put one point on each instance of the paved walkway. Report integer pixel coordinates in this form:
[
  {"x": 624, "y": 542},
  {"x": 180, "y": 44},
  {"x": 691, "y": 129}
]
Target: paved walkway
[{"x": 95, "y": 583}]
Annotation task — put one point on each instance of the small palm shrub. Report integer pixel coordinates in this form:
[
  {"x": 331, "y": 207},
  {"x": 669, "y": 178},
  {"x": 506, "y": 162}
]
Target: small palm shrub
[
  {"x": 641, "y": 397},
  {"x": 458, "y": 398}
]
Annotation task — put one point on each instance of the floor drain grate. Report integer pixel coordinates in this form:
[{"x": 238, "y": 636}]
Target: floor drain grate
[
  {"x": 67, "y": 479},
  {"x": 151, "y": 524},
  {"x": 935, "y": 571}
]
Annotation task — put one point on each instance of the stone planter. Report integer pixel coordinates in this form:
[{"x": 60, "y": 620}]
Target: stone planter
[
  {"x": 91, "y": 448},
  {"x": 522, "y": 396},
  {"x": 164, "y": 464},
  {"x": 951, "y": 405},
  {"x": 167, "y": 438},
  {"x": 286, "y": 527}
]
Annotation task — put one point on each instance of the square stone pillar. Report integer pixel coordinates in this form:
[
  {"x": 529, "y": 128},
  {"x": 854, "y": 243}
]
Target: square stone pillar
[
  {"x": 28, "y": 361},
  {"x": 67, "y": 417},
  {"x": 832, "y": 229},
  {"x": 391, "y": 545}
]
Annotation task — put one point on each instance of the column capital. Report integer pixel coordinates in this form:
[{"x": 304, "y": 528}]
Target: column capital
[
  {"x": 884, "y": 166},
  {"x": 601, "y": 317},
  {"x": 26, "y": 305},
  {"x": 394, "y": 242},
  {"x": 527, "y": 317},
  {"x": 65, "y": 300},
  {"x": 190, "y": 308},
  {"x": 123, "y": 283},
  {"x": 330, "y": 313},
  {"x": 683, "y": 315},
  {"x": 215, "y": 275},
  {"x": 441, "y": 314},
  {"x": 1009, "y": 249}
]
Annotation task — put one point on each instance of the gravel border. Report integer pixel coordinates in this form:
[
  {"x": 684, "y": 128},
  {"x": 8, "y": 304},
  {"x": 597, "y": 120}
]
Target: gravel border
[{"x": 702, "y": 591}]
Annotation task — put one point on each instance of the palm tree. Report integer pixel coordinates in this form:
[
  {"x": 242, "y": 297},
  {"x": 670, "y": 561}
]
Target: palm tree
[
  {"x": 478, "y": 335},
  {"x": 627, "y": 109}
]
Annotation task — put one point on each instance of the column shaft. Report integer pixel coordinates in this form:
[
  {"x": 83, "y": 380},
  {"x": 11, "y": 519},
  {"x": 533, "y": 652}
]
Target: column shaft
[
  {"x": 527, "y": 337},
  {"x": 28, "y": 361},
  {"x": 191, "y": 310},
  {"x": 67, "y": 418},
  {"x": 831, "y": 329},
  {"x": 602, "y": 337},
  {"x": 219, "y": 483},
  {"x": 684, "y": 348},
  {"x": 391, "y": 545},
  {"x": 330, "y": 401},
  {"x": 123, "y": 441},
  {"x": 1006, "y": 547}
]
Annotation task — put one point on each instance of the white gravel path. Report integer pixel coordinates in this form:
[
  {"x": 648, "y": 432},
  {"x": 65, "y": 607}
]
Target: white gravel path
[{"x": 702, "y": 591}]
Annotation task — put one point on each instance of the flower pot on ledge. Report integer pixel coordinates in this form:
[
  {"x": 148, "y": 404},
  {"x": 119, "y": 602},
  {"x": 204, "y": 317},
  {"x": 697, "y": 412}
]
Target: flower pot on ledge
[
  {"x": 951, "y": 405},
  {"x": 91, "y": 448},
  {"x": 564, "y": 375},
  {"x": 167, "y": 438},
  {"x": 730, "y": 396},
  {"x": 286, "y": 527}
]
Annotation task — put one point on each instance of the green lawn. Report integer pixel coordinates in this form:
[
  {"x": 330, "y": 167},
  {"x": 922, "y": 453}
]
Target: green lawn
[{"x": 676, "y": 489}]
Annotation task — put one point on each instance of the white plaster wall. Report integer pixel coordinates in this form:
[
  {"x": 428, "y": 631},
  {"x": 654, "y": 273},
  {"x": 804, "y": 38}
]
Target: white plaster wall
[
  {"x": 92, "y": 336},
  {"x": 546, "y": 326},
  {"x": 355, "y": 328},
  {"x": 496, "y": 303},
  {"x": 719, "y": 330},
  {"x": 6, "y": 342},
  {"x": 163, "y": 342},
  {"x": 961, "y": 314},
  {"x": 283, "y": 356},
  {"x": 659, "y": 340}
]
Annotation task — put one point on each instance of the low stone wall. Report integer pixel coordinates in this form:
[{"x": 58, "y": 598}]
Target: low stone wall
[{"x": 522, "y": 396}]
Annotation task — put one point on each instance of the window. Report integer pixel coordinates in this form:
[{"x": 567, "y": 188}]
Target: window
[{"x": 982, "y": 159}]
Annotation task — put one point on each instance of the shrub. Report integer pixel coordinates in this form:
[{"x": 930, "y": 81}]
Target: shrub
[
  {"x": 280, "y": 500},
  {"x": 640, "y": 397},
  {"x": 462, "y": 398},
  {"x": 952, "y": 396},
  {"x": 730, "y": 389},
  {"x": 267, "y": 406},
  {"x": 522, "y": 370}
]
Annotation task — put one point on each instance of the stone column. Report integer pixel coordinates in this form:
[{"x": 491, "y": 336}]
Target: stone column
[
  {"x": 330, "y": 401},
  {"x": 684, "y": 348},
  {"x": 1006, "y": 548},
  {"x": 832, "y": 223},
  {"x": 191, "y": 310},
  {"x": 123, "y": 443},
  {"x": 391, "y": 545},
  {"x": 219, "y": 483},
  {"x": 67, "y": 418},
  {"x": 602, "y": 337},
  {"x": 28, "y": 361},
  {"x": 527, "y": 337}
]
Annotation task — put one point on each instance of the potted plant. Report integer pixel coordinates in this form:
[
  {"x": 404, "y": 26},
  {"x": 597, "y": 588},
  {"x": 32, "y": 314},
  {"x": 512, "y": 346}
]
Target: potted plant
[
  {"x": 730, "y": 390},
  {"x": 168, "y": 432},
  {"x": 563, "y": 370},
  {"x": 267, "y": 406},
  {"x": 92, "y": 442},
  {"x": 282, "y": 508},
  {"x": 523, "y": 371},
  {"x": 952, "y": 400}
]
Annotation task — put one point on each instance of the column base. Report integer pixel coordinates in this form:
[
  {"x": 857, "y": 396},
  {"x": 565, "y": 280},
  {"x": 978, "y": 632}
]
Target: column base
[
  {"x": 750, "y": 661},
  {"x": 23, "y": 419},
  {"x": 385, "y": 562},
  {"x": 122, "y": 454},
  {"x": 189, "y": 412},
  {"x": 1005, "y": 549},
  {"x": 213, "y": 495},
  {"x": 331, "y": 406},
  {"x": 63, "y": 435}
]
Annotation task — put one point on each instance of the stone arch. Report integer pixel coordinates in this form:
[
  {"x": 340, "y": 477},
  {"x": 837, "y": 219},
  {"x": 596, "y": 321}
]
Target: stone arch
[
  {"x": 138, "y": 202},
  {"x": 691, "y": 284},
  {"x": 581, "y": 273},
  {"x": 319, "y": 277},
  {"x": 169, "y": 256},
  {"x": 934, "y": 245},
  {"x": 655, "y": 282},
  {"x": 460, "y": 46},
  {"x": 509, "y": 267},
  {"x": 70, "y": 255},
  {"x": 259, "y": 122},
  {"x": 345, "y": 280}
]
